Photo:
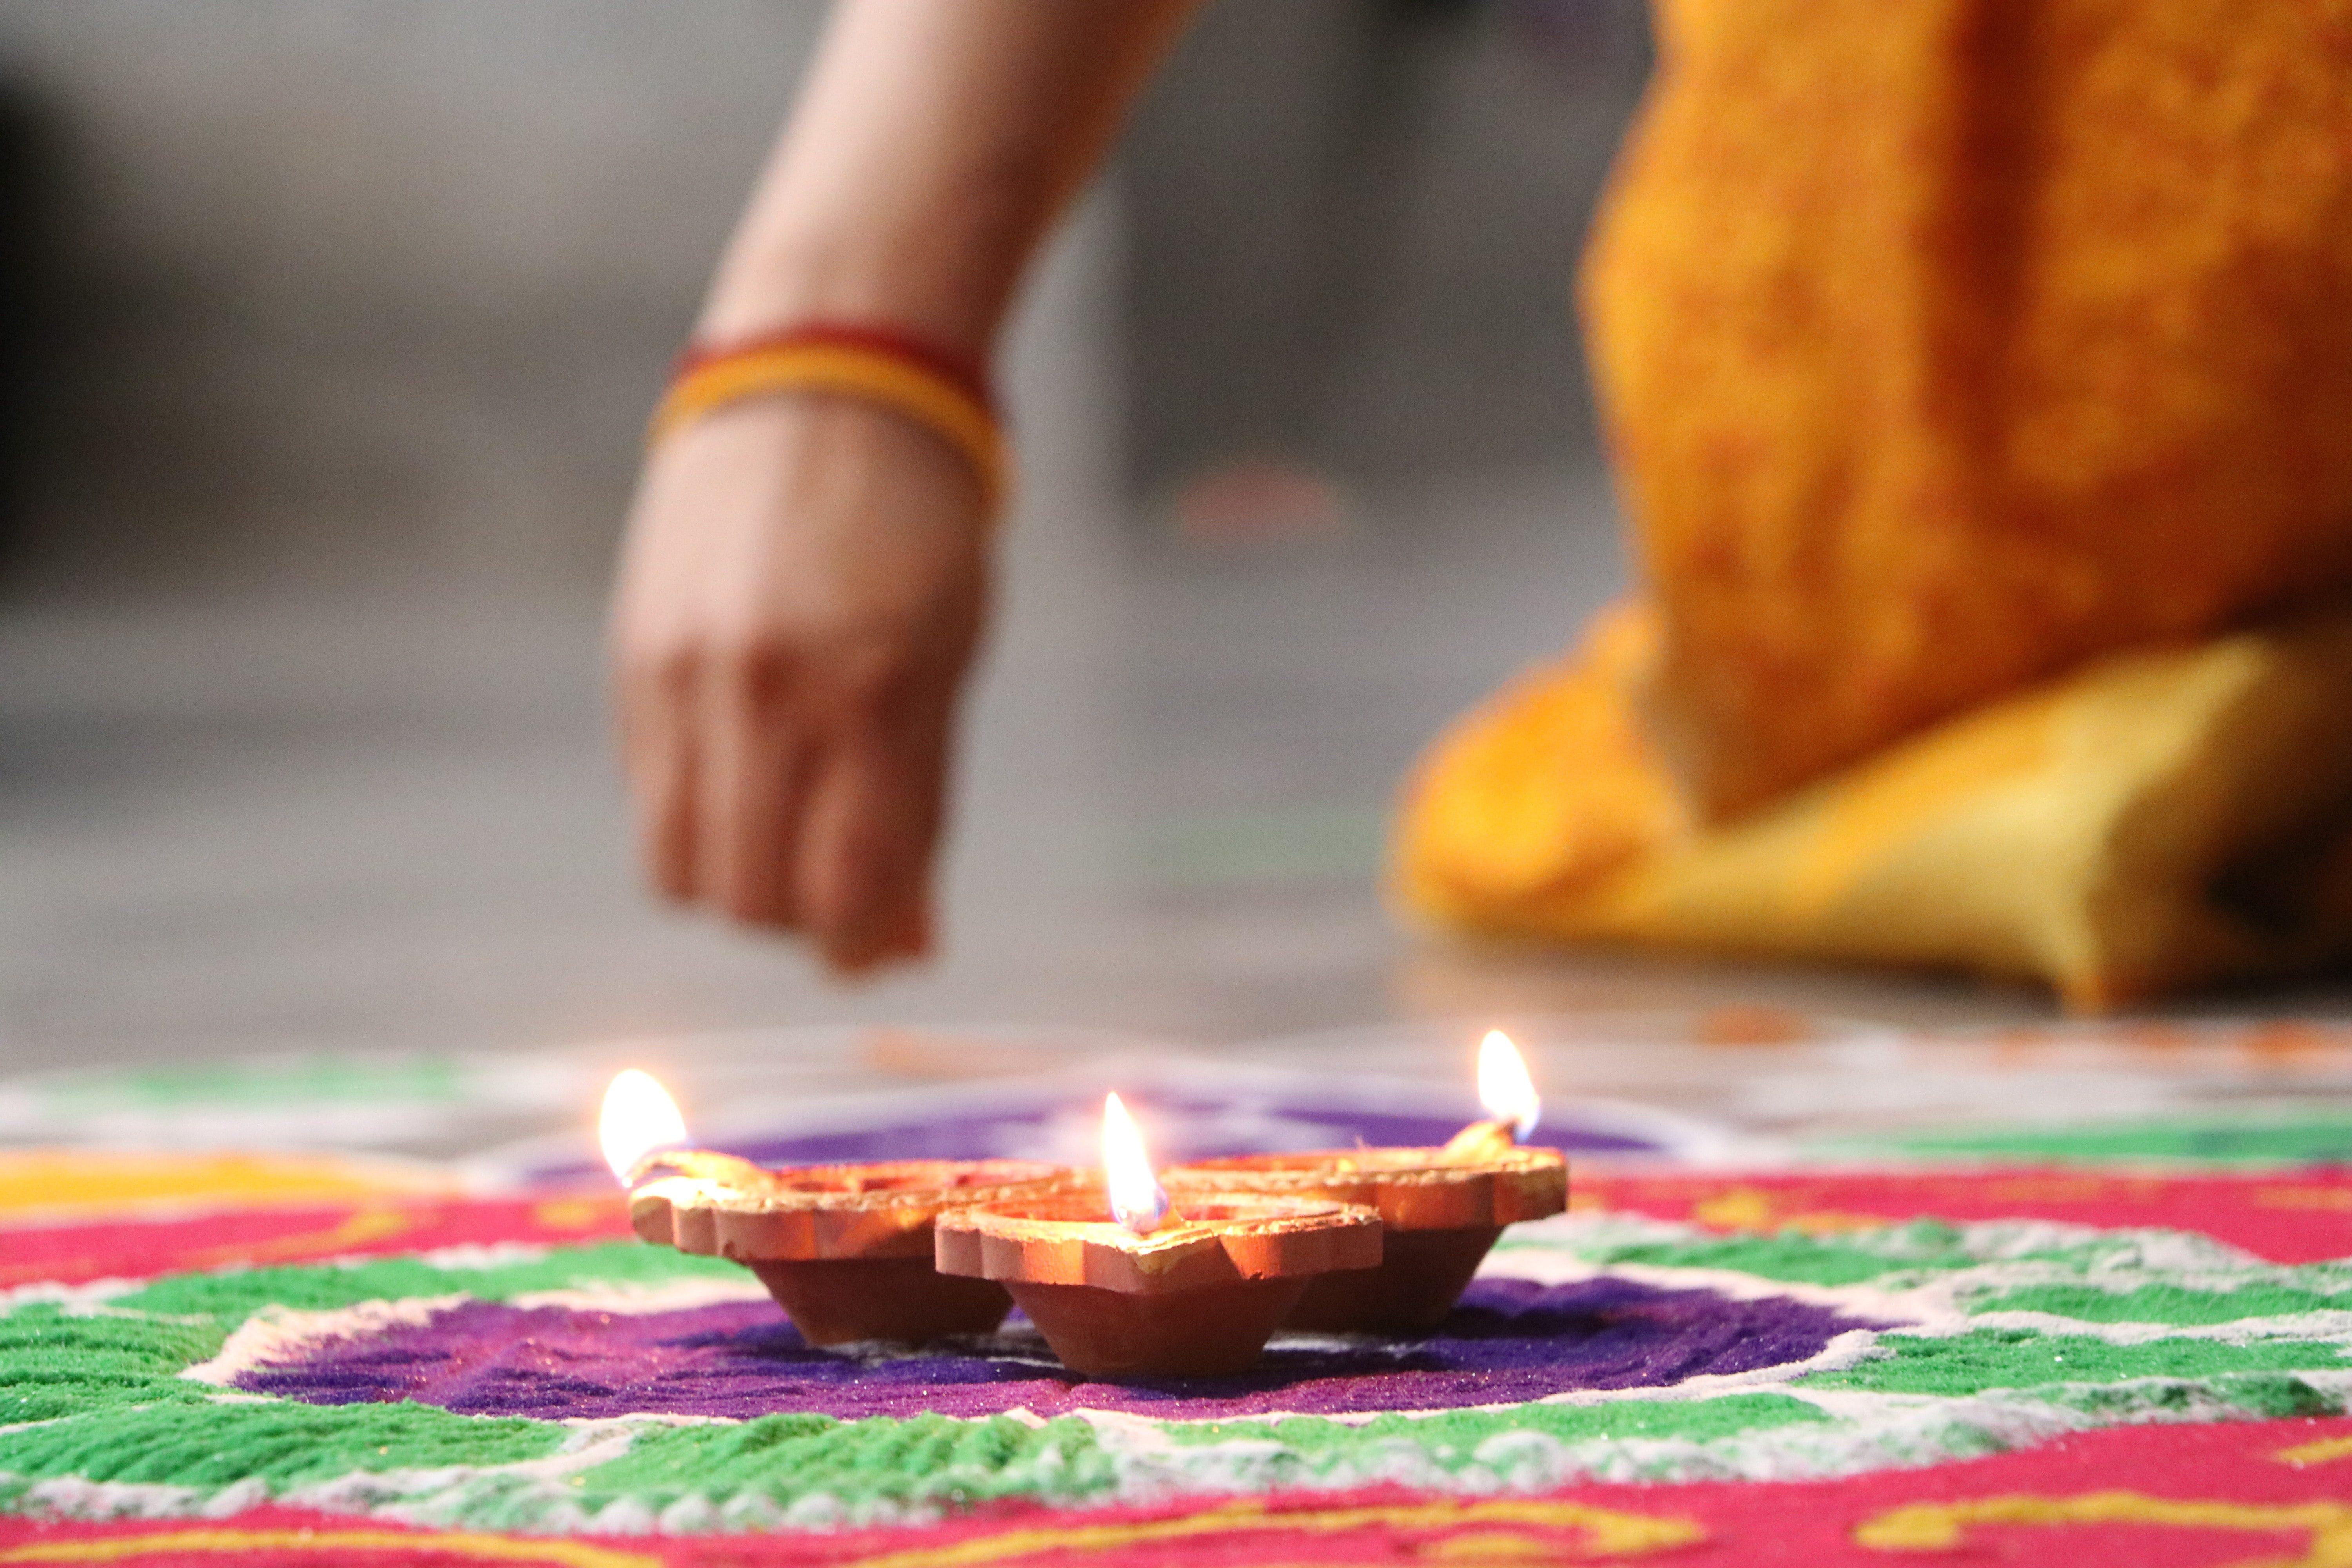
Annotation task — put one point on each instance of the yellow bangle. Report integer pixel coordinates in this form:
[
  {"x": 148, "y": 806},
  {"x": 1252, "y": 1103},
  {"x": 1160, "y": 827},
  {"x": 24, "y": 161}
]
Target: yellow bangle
[{"x": 875, "y": 375}]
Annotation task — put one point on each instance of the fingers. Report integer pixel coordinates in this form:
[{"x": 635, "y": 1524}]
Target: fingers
[
  {"x": 785, "y": 809},
  {"x": 756, "y": 763},
  {"x": 872, "y": 825},
  {"x": 657, "y": 710}
]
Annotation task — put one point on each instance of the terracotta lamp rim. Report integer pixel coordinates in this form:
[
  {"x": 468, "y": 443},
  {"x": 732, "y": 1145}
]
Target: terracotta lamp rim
[
  {"x": 870, "y": 1184},
  {"x": 1071, "y": 1239},
  {"x": 1380, "y": 1162},
  {"x": 1413, "y": 1188},
  {"x": 883, "y": 1209}
]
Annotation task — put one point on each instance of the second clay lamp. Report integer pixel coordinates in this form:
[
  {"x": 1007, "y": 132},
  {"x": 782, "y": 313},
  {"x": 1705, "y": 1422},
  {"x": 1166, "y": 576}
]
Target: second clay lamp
[
  {"x": 1122, "y": 1284},
  {"x": 1441, "y": 1208}
]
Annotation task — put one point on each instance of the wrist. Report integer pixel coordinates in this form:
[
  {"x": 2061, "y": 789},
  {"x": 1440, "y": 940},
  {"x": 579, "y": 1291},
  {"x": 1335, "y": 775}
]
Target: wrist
[
  {"x": 923, "y": 382},
  {"x": 917, "y": 281}
]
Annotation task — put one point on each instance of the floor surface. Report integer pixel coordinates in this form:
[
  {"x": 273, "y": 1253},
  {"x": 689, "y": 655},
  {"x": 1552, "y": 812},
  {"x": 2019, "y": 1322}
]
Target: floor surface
[{"x": 231, "y": 828}]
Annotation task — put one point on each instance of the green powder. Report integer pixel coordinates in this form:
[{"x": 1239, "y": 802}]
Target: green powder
[
  {"x": 2169, "y": 1304},
  {"x": 2258, "y": 1395},
  {"x": 233, "y": 1295},
  {"x": 208, "y": 1445},
  {"x": 2299, "y": 1140},
  {"x": 2019, "y": 1359},
  {"x": 1798, "y": 1258},
  {"x": 1453, "y": 1438},
  {"x": 296, "y": 1081},
  {"x": 52, "y": 1364},
  {"x": 930, "y": 1458}
]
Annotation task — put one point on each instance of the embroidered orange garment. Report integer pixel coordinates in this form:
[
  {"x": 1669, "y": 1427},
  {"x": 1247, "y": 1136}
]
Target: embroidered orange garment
[{"x": 1944, "y": 348}]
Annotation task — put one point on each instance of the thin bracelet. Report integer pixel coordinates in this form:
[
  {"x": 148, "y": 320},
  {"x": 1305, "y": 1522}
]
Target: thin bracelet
[
  {"x": 942, "y": 392},
  {"x": 965, "y": 372}
]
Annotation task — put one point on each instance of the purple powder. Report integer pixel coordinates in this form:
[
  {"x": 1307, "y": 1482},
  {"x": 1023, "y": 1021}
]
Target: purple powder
[{"x": 1510, "y": 1341}]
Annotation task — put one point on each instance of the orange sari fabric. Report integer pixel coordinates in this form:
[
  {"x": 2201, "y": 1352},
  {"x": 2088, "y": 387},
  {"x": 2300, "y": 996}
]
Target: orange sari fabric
[{"x": 1946, "y": 344}]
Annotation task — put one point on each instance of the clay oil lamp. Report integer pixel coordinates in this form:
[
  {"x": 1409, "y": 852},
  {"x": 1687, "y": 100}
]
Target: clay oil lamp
[
  {"x": 1122, "y": 1284},
  {"x": 845, "y": 1249},
  {"x": 1441, "y": 1209}
]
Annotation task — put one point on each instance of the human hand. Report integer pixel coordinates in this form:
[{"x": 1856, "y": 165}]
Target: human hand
[{"x": 802, "y": 584}]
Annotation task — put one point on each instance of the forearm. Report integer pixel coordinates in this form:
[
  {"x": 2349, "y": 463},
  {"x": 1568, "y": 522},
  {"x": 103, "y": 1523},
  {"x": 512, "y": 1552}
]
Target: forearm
[{"x": 935, "y": 143}]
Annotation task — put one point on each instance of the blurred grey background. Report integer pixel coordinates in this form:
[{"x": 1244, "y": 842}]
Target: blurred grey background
[{"x": 329, "y": 328}]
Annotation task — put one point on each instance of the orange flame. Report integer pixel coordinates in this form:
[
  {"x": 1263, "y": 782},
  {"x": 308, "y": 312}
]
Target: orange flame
[
  {"x": 639, "y": 1118},
  {"x": 1136, "y": 1199},
  {"x": 1504, "y": 1087}
]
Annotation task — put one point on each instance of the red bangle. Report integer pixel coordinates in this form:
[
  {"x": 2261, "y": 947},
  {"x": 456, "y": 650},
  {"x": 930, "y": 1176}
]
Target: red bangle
[{"x": 967, "y": 375}]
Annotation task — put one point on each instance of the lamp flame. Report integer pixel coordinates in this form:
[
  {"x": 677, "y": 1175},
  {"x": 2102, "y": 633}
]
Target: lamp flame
[
  {"x": 639, "y": 1118},
  {"x": 1136, "y": 1199},
  {"x": 1504, "y": 1087}
]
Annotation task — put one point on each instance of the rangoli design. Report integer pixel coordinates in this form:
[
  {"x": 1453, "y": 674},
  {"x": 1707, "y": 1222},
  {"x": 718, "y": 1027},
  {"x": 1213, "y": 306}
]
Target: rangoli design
[{"x": 1916, "y": 1361}]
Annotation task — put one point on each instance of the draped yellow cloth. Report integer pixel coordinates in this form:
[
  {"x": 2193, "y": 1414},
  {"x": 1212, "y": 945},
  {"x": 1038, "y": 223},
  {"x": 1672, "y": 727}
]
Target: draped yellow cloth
[{"x": 1951, "y": 352}]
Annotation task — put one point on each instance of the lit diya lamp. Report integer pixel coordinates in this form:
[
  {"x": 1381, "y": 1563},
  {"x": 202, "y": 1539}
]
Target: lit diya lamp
[
  {"x": 1441, "y": 1209},
  {"x": 1123, "y": 1285},
  {"x": 845, "y": 1249}
]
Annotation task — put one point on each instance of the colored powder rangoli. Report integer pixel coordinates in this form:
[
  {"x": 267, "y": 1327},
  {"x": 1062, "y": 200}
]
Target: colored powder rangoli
[{"x": 490, "y": 1381}]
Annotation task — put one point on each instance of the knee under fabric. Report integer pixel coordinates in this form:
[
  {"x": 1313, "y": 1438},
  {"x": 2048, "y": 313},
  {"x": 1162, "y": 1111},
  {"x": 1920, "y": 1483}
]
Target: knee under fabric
[{"x": 2155, "y": 821}]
